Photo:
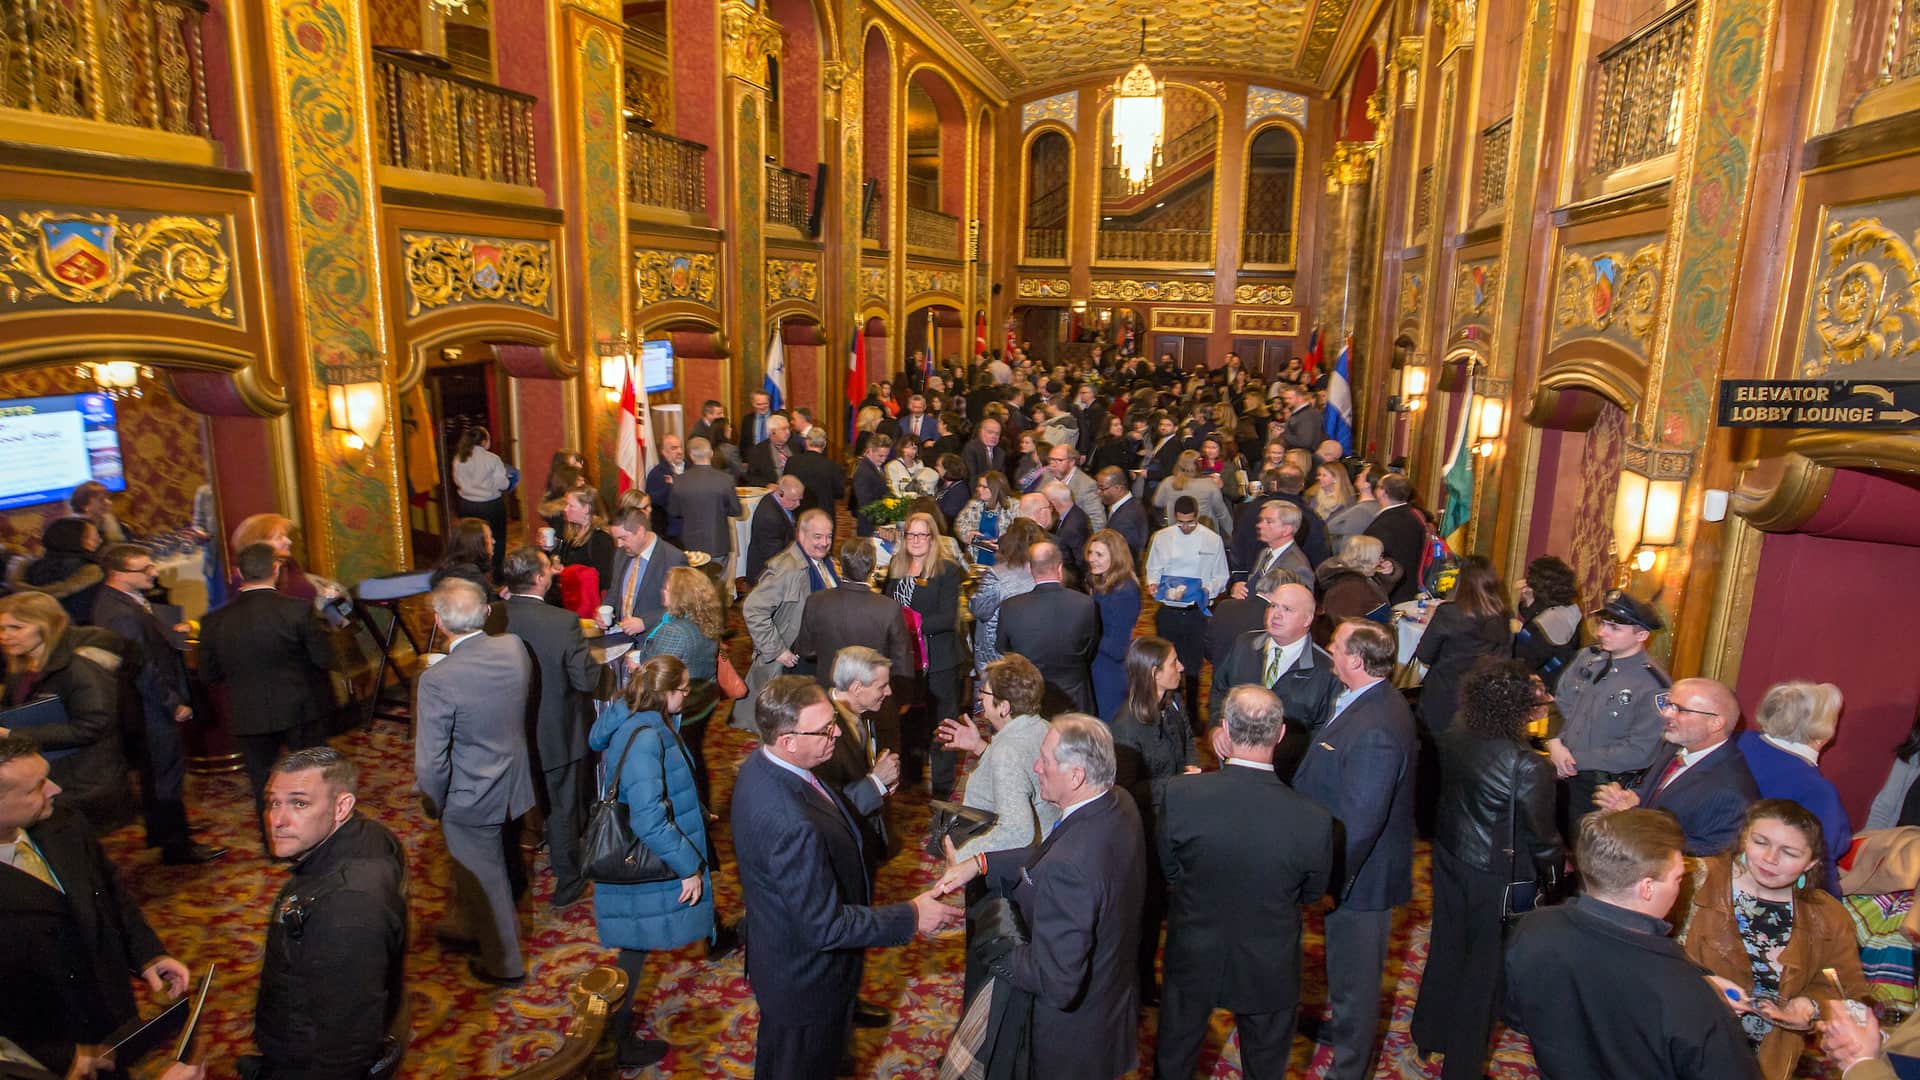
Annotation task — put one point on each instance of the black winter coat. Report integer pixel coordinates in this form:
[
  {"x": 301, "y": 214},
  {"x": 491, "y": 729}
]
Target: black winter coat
[
  {"x": 93, "y": 778},
  {"x": 1485, "y": 785}
]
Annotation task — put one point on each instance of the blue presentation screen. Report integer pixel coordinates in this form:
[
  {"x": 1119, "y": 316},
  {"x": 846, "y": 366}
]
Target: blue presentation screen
[
  {"x": 51, "y": 445},
  {"x": 656, "y": 366}
]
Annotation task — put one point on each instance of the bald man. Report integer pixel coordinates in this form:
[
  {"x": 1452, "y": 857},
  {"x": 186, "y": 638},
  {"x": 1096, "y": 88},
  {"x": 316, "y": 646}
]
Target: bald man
[{"x": 1699, "y": 775}]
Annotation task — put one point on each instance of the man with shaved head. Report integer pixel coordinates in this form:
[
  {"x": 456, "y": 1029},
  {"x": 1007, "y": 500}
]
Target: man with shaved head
[
  {"x": 1282, "y": 658},
  {"x": 1699, "y": 775}
]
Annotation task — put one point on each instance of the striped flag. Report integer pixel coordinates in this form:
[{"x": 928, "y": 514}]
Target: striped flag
[
  {"x": 1338, "y": 422},
  {"x": 775, "y": 383},
  {"x": 1458, "y": 476},
  {"x": 1311, "y": 362}
]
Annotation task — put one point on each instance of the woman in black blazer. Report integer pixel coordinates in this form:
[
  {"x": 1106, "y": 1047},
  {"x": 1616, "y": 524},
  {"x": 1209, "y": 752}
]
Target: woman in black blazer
[
  {"x": 1475, "y": 621},
  {"x": 923, "y": 578}
]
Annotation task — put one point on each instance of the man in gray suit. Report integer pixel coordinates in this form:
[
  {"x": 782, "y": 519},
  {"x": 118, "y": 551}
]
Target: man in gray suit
[
  {"x": 705, "y": 504},
  {"x": 471, "y": 716},
  {"x": 558, "y": 711},
  {"x": 1064, "y": 462},
  {"x": 772, "y": 610},
  {"x": 641, "y": 560}
]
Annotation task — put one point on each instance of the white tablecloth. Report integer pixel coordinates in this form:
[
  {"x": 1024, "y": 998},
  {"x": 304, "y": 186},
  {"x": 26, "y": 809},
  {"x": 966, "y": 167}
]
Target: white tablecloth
[
  {"x": 185, "y": 582},
  {"x": 743, "y": 531},
  {"x": 1409, "y": 627}
]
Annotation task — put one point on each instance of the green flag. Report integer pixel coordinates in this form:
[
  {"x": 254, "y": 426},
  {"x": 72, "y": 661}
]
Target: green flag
[{"x": 1459, "y": 480}]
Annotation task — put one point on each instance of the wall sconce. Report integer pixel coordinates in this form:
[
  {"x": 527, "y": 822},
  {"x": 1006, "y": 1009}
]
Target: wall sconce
[
  {"x": 1079, "y": 307},
  {"x": 1490, "y": 422},
  {"x": 616, "y": 360},
  {"x": 360, "y": 410},
  {"x": 1647, "y": 508},
  {"x": 1413, "y": 386},
  {"x": 115, "y": 378}
]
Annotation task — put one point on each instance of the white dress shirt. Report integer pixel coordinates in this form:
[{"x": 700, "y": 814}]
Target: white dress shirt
[{"x": 1198, "y": 554}]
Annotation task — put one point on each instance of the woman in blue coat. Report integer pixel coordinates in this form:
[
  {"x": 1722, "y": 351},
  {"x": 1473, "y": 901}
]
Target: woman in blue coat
[
  {"x": 655, "y": 781},
  {"x": 1116, "y": 593}
]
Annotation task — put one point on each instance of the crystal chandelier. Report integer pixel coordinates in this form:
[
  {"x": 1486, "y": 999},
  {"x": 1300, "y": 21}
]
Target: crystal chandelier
[{"x": 1139, "y": 115}]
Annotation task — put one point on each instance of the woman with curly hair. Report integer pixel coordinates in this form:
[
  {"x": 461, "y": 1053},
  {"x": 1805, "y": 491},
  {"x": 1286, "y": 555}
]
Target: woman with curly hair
[
  {"x": 1549, "y": 636},
  {"x": 1494, "y": 825}
]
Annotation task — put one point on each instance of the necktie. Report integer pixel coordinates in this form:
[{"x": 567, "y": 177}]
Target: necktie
[
  {"x": 1666, "y": 776},
  {"x": 634, "y": 574},
  {"x": 26, "y": 857},
  {"x": 1273, "y": 666},
  {"x": 1259, "y": 568},
  {"x": 815, "y": 785}
]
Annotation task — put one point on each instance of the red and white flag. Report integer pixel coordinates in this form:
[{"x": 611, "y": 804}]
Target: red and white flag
[{"x": 627, "y": 440}]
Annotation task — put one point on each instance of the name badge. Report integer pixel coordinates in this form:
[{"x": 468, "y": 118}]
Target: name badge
[{"x": 1326, "y": 746}]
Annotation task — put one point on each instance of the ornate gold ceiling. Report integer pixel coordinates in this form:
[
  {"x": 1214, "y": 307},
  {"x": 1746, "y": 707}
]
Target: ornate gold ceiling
[{"x": 1027, "y": 43}]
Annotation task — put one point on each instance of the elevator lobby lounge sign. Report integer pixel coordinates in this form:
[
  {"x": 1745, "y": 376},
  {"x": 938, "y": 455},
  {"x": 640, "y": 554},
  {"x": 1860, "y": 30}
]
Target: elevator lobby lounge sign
[{"x": 1834, "y": 404}]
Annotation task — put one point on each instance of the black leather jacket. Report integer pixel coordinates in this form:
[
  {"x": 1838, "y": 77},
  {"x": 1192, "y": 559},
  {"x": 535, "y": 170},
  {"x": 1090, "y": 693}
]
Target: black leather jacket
[{"x": 1483, "y": 784}]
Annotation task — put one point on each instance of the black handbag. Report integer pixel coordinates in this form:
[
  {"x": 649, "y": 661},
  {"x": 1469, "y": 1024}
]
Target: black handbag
[
  {"x": 1516, "y": 897},
  {"x": 610, "y": 852}
]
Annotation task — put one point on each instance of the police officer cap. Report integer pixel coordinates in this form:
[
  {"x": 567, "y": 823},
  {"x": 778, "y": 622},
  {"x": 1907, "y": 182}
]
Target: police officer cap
[{"x": 1628, "y": 611}]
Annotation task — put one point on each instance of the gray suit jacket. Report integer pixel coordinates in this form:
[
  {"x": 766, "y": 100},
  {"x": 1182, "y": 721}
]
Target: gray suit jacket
[
  {"x": 563, "y": 672},
  {"x": 772, "y": 613},
  {"x": 470, "y": 743},
  {"x": 1086, "y": 495},
  {"x": 705, "y": 504}
]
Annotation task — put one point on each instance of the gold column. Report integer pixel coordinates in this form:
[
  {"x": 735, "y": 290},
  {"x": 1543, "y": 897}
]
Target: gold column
[
  {"x": 1344, "y": 290},
  {"x": 748, "y": 38}
]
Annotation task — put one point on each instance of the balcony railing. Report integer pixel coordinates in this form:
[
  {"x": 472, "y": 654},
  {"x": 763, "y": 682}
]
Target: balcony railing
[
  {"x": 439, "y": 122},
  {"x": 874, "y": 226},
  {"x": 139, "y": 63},
  {"x": 1267, "y": 247},
  {"x": 789, "y": 197},
  {"x": 1422, "y": 201},
  {"x": 1491, "y": 192},
  {"x": 666, "y": 172},
  {"x": 1047, "y": 243},
  {"x": 933, "y": 230},
  {"x": 1157, "y": 245},
  {"x": 1637, "y": 88}
]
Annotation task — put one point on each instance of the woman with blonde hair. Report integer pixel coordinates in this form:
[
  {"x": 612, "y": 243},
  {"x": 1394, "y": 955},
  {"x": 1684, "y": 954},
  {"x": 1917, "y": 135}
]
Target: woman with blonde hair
[
  {"x": 276, "y": 532},
  {"x": 1332, "y": 492},
  {"x": 1116, "y": 595},
  {"x": 927, "y": 582},
  {"x": 691, "y": 631},
  {"x": 49, "y": 657},
  {"x": 1794, "y": 722},
  {"x": 1354, "y": 584},
  {"x": 1185, "y": 479},
  {"x": 866, "y": 422}
]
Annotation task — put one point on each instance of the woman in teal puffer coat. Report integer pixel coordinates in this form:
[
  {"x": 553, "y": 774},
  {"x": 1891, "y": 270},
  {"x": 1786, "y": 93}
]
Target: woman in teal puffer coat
[{"x": 656, "y": 783}]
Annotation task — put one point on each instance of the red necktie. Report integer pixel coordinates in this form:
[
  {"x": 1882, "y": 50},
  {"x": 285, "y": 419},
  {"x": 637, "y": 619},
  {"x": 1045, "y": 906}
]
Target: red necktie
[{"x": 1666, "y": 777}]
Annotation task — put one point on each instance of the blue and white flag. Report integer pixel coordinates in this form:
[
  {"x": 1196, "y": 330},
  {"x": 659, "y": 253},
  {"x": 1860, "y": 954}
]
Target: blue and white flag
[
  {"x": 776, "y": 381},
  {"x": 1339, "y": 419}
]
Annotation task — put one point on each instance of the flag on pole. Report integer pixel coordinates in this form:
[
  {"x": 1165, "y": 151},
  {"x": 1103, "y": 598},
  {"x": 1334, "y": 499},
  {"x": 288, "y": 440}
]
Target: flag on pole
[
  {"x": 775, "y": 383},
  {"x": 627, "y": 436},
  {"x": 856, "y": 366},
  {"x": 1459, "y": 477},
  {"x": 1311, "y": 362},
  {"x": 1339, "y": 418},
  {"x": 979, "y": 338}
]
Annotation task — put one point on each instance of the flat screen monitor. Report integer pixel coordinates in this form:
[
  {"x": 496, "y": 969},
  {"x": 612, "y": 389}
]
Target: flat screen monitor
[
  {"x": 51, "y": 445},
  {"x": 656, "y": 366}
]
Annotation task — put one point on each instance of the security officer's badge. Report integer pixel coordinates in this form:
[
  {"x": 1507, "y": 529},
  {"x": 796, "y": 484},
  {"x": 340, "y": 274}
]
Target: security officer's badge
[{"x": 1626, "y": 697}]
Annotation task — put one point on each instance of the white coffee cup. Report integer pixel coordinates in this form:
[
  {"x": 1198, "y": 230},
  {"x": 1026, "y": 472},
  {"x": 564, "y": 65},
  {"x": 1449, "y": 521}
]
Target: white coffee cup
[
  {"x": 605, "y": 615},
  {"x": 547, "y": 538}
]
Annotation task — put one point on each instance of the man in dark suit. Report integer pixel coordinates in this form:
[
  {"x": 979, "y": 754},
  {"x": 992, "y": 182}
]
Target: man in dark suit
[
  {"x": 757, "y": 426},
  {"x": 1056, "y": 628},
  {"x": 1164, "y": 450},
  {"x": 1283, "y": 658},
  {"x": 917, "y": 423},
  {"x": 660, "y": 484},
  {"x": 817, "y": 473},
  {"x": 1072, "y": 532},
  {"x": 852, "y": 613},
  {"x": 869, "y": 483},
  {"x": 1232, "y": 618},
  {"x": 863, "y": 768},
  {"x": 1699, "y": 775},
  {"x": 1401, "y": 531},
  {"x": 772, "y": 527},
  {"x": 1079, "y": 893},
  {"x": 159, "y": 701},
  {"x": 1283, "y": 485},
  {"x": 640, "y": 564},
  {"x": 985, "y": 454},
  {"x": 1090, "y": 416},
  {"x": 1276, "y": 523},
  {"x": 559, "y": 711},
  {"x": 73, "y": 932},
  {"x": 471, "y": 717},
  {"x": 1125, "y": 515},
  {"x": 1235, "y": 894},
  {"x": 1305, "y": 425},
  {"x": 710, "y": 410},
  {"x": 767, "y": 460},
  {"x": 1360, "y": 769},
  {"x": 705, "y": 504},
  {"x": 272, "y": 655},
  {"x": 803, "y": 876}
]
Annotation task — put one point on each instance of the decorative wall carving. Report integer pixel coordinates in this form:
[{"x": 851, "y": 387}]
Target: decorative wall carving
[
  {"x": 1413, "y": 296},
  {"x": 1044, "y": 288},
  {"x": 673, "y": 275},
  {"x": 1275, "y": 295},
  {"x": 448, "y": 270},
  {"x": 1863, "y": 300},
  {"x": 792, "y": 279},
  {"x": 54, "y": 257},
  {"x": 1265, "y": 323},
  {"x": 1350, "y": 163},
  {"x": 1265, "y": 101},
  {"x": 1181, "y": 320},
  {"x": 1161, "y": 291},
  {"x": 749, "y": 38},
  {"x": 1473, "y": 288},
  {"x": 873, "y": 284},
  {"x": 1604, "y": 291},
  {"x": 1062, "y": 107},
  {"x": 933, "y": 281}
]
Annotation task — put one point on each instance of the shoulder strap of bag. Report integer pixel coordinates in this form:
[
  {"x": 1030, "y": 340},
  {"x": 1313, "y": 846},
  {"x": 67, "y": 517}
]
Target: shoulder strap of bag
[{"x": 620, "y": 766}]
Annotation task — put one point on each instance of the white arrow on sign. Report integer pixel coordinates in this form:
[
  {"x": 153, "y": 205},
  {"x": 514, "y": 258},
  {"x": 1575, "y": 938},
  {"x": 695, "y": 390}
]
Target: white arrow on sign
[
  {"x": 1885, "y": 395},
  {"x": 1901, "y": 415}
]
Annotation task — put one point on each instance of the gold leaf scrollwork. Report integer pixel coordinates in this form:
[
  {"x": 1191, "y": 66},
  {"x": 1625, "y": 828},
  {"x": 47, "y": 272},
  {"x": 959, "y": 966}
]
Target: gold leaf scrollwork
[
  {"x": 1274, "y": 295},
  {"x": 95, "y": 258},
  {"x": 673, "y": 275},
  {"x": 1599, "y": 290},
  {"x": 1176, "y": 291},
  {"x": 1044, "y": 288},
  {"x": 792, "y": 279},
  {"x": 443, "y": 270},
  {"x": 1867, "y": 303},
  {"x": 873, "y": 283},
  {"x": 932, "y": 281}
]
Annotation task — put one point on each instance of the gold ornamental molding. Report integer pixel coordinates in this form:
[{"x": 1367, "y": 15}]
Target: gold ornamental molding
[
  {"x": 1270, "y": 295},
  {"x": 1127, "y": 289},
  {"x": 1265, "y": 323},
  {"x": 920, "y": 282},
  {"x": 1043, "y": 288},
  {"x": 1061, "y": 108},
  {"x": 1610, "y": 293},
  {"x": 793, "y": 279},
  {"x": 1474, "y": 285},
  {"x": 1782, "y": 491},
  {"x": 1350, "y": 164},
  {"x": 1865, "y": 317},
  {"x": 748, "y": 39},
  {"x": 445, "y": 270},
  {"x": 54, "y": 258},
  {"x": 873, "y": 284},
  {"x": 661, "y": 275},
  {"x": 1182, "y": 320}
]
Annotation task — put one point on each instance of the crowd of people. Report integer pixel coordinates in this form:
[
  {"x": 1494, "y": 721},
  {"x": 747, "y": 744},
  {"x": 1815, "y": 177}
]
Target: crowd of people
[{"x": 1618, "y": 871}]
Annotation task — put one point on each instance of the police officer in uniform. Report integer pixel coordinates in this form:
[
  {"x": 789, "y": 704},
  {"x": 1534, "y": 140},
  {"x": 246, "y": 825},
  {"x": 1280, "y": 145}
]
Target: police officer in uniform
[{"x": 1610, "y": 728}]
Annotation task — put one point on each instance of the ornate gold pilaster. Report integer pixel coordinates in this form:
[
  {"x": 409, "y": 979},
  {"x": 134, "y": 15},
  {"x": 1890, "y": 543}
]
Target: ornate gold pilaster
[
  {"x": 1344, "y": 290},
  {"x": 748, "y": 38}
]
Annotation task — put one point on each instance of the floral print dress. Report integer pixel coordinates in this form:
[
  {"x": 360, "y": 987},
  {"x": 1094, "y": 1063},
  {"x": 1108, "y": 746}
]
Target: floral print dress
[{"x": 1765, "y": 927}]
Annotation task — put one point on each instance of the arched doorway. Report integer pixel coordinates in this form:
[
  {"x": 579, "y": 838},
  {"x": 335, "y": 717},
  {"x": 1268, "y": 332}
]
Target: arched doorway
[
  {"x": 935, "y": 330},
  {"x": 1582, "y": 405}
]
